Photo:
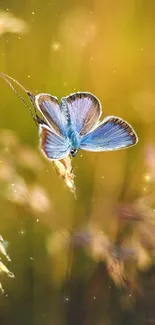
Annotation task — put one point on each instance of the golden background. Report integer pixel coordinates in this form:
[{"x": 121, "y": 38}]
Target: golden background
[{"x": 60, "y": 47}]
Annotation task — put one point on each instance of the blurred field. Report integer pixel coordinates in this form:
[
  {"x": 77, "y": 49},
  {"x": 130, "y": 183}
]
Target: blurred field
[{"x": 89, "y": 261}]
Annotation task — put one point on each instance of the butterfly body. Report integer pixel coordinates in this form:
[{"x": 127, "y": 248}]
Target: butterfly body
[{"x": 74, "y": 140}]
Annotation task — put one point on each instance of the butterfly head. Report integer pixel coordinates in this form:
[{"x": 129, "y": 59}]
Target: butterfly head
[{"x": 73, "y": 152}]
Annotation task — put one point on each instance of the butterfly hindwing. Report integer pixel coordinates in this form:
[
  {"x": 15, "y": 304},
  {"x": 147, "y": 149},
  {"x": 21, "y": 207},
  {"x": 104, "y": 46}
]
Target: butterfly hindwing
[
  {"x": 49, "y": 107},
  {"x": 82, "y": 111},
  {"x": 53, "y": 145},
  {"x": 112, "y": 133}
]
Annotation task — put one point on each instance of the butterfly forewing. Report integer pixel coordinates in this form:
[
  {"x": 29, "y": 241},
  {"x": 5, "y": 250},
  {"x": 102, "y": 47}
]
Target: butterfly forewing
[
  {"x": 112, "y": 134},
  {"x": 82, "y": 110},
  {"x": 50, "y": 110},
  {"x": 53, "y": 145}
]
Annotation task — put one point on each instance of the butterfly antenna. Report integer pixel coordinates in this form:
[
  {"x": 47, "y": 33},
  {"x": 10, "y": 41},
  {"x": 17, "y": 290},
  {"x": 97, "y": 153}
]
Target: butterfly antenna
[{"x": 30, "y": 95}]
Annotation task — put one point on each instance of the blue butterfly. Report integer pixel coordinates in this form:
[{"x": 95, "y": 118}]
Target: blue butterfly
[{"x": 74, "y": 124}]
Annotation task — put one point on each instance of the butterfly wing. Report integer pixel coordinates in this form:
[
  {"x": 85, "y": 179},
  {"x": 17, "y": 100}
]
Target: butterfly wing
[
  {"x": 53, "y": 145},
  {"x": 112, "y": 134},
  {"x": 82, "y": 110},
  {"x": 49, "y": 107}
]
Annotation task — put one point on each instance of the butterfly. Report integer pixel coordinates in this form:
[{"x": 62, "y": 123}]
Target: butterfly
[{"x": 74, "y": 123}]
